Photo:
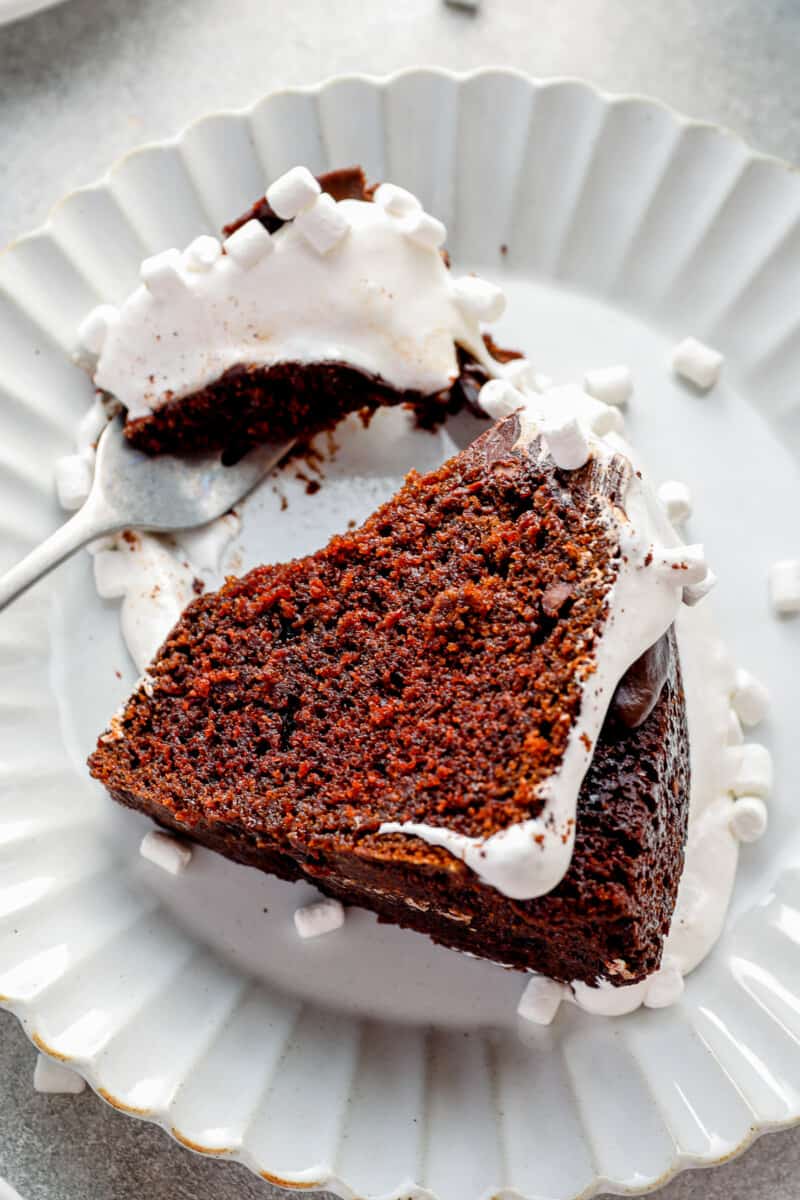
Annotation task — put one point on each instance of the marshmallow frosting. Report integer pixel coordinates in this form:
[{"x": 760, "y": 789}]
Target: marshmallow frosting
[{"x": 369, "y": 289}]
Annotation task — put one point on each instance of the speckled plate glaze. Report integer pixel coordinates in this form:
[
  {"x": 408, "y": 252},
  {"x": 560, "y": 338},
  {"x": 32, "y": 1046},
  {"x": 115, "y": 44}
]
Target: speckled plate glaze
[{"x": 370, "y": 1063}]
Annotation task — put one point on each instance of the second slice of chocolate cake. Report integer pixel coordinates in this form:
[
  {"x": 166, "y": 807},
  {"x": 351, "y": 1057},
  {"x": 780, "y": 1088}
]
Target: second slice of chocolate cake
[
  {"x": 421, "y": 718},
  {"x": 290, "y": 324}
]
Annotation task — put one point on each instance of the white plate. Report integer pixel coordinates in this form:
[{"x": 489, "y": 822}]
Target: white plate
[
  {"x": 371, "y": 1063},
  {"x": 12, "y": 10}
]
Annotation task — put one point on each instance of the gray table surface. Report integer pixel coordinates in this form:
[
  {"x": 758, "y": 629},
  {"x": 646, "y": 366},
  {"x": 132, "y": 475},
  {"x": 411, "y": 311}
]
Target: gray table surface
[{"x": 82, "y": 83}]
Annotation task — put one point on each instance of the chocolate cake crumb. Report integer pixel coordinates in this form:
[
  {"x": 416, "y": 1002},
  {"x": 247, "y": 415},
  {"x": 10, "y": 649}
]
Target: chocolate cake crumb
[{"x": 249, "y": 405}]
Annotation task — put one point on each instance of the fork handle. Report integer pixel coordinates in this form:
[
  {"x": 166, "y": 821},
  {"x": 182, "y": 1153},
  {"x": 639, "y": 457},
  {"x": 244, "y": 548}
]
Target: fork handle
[{"x": 89, "y": 522}]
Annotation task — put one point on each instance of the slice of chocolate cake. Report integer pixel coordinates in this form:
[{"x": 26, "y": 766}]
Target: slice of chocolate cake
[
  {"x": 327, "y": 297},
  {"x": 466, "y": 715}
]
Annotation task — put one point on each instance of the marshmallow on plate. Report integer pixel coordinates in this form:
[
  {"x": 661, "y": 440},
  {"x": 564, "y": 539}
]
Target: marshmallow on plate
[
  {"x": 749, "y": 769},
  {"x": 612, "y": 385},
  {"x": 749, "y": 819},
  {"x": 700, "y": 364},
  {"x": 541, "y": 1000},
  {"x": 165, "y": 851},
  {"x": 784, "y": 586},
  {"x": 323, "y": 916},
  {"x": 750, "y": 698}
]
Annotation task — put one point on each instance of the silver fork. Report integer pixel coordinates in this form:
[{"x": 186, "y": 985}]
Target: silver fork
[{"x": 132, "y": 489}]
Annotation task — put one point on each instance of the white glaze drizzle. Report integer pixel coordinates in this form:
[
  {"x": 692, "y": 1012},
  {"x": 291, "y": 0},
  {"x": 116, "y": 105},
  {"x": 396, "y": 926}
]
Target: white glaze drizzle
[
  {"x": 380, "y": 299},
  {"x": 529, "y": 858}
]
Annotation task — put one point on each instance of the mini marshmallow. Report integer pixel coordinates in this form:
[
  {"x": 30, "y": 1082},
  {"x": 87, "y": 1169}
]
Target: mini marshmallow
[
  {"x": 293, "y": 192},
  {"x": 749, "y": 819},
  {"x": 543, "y": 383},
  {"x": 248, "y": 245},
  {"x": 94, "y": 328},
  {"x": 52, "y": 1078},
  {"x": 161, "y": 275},
  {"x": 665, "y": 987},
  {"x": 520, "y": 373},
  {"x": 498, "y": 398},
  {"x": 323, "y": 916},
  {"x": 612, "y": 385},
  {"x": 74, "y": 479},
  {"x": 165, "y": 851},
  {"x": 696, "y": 592},
  {"x": 478, "y": 298},
  {"x": 698, "y": 363},
  {"x": 323, "y": 224},
  {"x": 111, "y": 573},
  {"x": 607, "y": 420},
  {"x": 202, "y": 253},
  {"x": 606, "y": 1000},
  {"x": 750, "y": 698},
  {"x": 684, "y": 565},
  {"x": 676, "y": 500},
  {"x": 567, "y": 443},
  {"x": 397, "y": 200},
  {"x": 749, "y": 769},
  {"x": 541, "y": 1000},
  {"x": 424, "y": 229},
  {"x": 784, "y": 586}
]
